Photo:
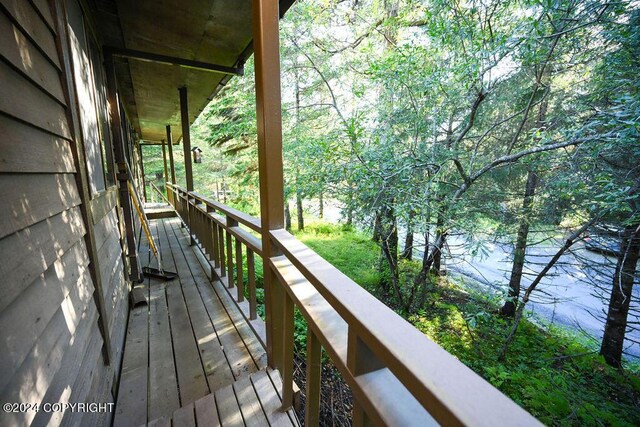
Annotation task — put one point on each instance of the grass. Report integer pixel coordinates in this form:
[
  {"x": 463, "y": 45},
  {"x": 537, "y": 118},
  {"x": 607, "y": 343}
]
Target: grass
[
  {"x": 553, "y": 374},
  {"x": 352, "y": 252}
]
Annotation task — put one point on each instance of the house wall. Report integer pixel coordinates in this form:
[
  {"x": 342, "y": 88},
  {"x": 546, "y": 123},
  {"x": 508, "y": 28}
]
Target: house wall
[{"x": 63, "y": 290}]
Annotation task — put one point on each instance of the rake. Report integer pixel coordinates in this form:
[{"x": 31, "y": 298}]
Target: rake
[{"x": 156, "y": 273}]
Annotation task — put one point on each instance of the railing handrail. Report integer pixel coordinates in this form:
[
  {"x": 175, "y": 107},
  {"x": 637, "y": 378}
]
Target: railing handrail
[
  {"x": 243, "y": 218},
  {"x": 401, "y": 362}
]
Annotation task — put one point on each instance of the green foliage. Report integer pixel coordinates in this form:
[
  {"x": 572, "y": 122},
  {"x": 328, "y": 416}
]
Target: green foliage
[
  {"x": 558, "y": 379},
  {"x": 551, "y": 372},
  {"x": 350, "y": 251}
]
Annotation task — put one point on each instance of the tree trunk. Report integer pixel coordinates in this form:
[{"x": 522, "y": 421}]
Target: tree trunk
[
  {"x": 376, "y": 227},
  {"x": 224, "y": 192},
  {"x": 350, "y": 206},
  {"x": 390, "y": 232},
  {"x": 287, "y": 216},
  {"x": 616, "y": 323},
  {"x": 441, "y": 238},
  {"x": 299, "y": 210},
  {"x": 389, "y": 245},
  {"x": 419, "y": 281},
  {"x": 509, "y": 307},
  {"x": 407, "y": 252},
  {"x": 321, "y": 203}
]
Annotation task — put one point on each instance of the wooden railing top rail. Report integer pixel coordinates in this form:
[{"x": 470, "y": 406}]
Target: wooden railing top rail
[
  {"x": 242, "y": 218},
  {"x": 436, "y": 378}
]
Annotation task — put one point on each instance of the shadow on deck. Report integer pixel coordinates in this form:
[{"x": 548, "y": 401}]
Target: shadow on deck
[{"x": 190, "y": 354}]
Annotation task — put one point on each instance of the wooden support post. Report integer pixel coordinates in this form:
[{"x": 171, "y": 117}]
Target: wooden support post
[
  {"x": 190, "y": 222},
  {"x": 269, "y": 126},
  {"x": 186, "y": 137},
  {"x": 142, "y": 175},
  {"x": 119, "y": 155},
  {"x": 172, "y": 165},
  {"x": 186, "y": 146},
  {"x": 164, "y": 160}
]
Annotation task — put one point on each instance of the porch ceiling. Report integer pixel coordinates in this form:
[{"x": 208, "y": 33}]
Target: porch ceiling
[{"x": 212, "y": 31}]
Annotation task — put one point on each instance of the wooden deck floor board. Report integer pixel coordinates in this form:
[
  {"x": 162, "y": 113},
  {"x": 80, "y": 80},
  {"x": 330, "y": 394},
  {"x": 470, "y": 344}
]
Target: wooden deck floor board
[
  {"x": 207, "y": 412},
  {"x": 270, "y": 400},
  {"x": 252, "y": 343},
  {"x": 228, "y": 408},
  {"x": 163, "y": 383},
  {"x": 185, "y": 416},
  {"x": 249, "y": 404},
  {"x": 233, "y": 346},
  {"x": 131, "y": 408},
  {"x": 191, "y": 377},
  {"x": 188, "y": 349},
  {"x": 215, "y": 362}
]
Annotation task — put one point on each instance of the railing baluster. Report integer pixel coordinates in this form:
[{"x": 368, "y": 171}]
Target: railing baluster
[
  {"x": 195, "y": 217},
  {"x": 202, "y": 237},
  {"x": 223, "y": 267},
  {"x": 211, "y": 239},
  {"x": 206, "y": 234},
  {"x": 314, "y": 379},
  {"x": 287, "y": 365},
  {"x": 230, "y": 223},
  {"x": 239, "y": 278},
  {"x": 214, "y": 238},
  {"x": 251, "y": 275},
  {"x": 191, "y": 217}
]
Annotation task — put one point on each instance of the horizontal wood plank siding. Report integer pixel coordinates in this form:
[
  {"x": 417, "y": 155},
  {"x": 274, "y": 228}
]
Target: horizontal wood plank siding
[
  {"x": 28, "y": 199},
  {"x": 48, "y": 311},
  {"x": 20, "y": 52},
  {"x": 31, "y": 104},
  {"x": 31, "y": 381},
  {"x": 29, "y": 253},
  {"x": 38, "y": 304},
  {"x": 29, "y": 21},
  {"x": 26, "y": 149},
  {"x": 42, "y": 7}
]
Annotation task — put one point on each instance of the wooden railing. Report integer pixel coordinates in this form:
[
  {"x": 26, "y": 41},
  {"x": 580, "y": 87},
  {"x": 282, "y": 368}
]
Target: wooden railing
[{"x": 397, "y": 375}]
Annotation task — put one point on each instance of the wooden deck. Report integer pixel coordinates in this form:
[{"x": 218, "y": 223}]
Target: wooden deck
[{"x": 189, "y": 354}]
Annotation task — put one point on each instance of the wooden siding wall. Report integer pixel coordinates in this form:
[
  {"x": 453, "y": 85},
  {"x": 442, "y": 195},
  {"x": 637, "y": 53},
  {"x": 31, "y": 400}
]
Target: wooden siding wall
[{"x": 52, "y": 339}]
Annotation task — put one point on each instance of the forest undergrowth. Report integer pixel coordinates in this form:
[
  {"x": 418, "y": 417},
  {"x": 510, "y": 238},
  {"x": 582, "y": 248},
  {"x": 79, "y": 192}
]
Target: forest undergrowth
[{"x": 554, "y": 373}]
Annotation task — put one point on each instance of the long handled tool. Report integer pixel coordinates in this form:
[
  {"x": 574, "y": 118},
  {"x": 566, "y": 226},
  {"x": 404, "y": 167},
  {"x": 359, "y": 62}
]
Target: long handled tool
[{"x": 159, "y": 272}]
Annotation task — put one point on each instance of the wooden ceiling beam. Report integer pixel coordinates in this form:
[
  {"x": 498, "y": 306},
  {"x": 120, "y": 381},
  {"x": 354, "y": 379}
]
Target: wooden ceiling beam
[{"x": 172, "y": 60}]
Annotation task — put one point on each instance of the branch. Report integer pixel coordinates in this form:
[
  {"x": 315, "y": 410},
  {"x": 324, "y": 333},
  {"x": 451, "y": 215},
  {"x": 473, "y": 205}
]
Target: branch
[
  {"x": 512, "y": 158},
  {"x": 353, "y": 44},
  {"x": 568, "y": 243},
  {"x": 472, "y": 116},
  {"x": 461, "y": 171}
]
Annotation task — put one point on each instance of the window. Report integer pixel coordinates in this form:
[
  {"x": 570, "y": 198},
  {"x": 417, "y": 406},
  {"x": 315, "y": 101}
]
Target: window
[{"x": 92, "y": 117}]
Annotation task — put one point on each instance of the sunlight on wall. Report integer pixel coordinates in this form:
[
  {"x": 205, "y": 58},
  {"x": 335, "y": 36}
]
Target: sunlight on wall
[{"x": 21, "y": 42}]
